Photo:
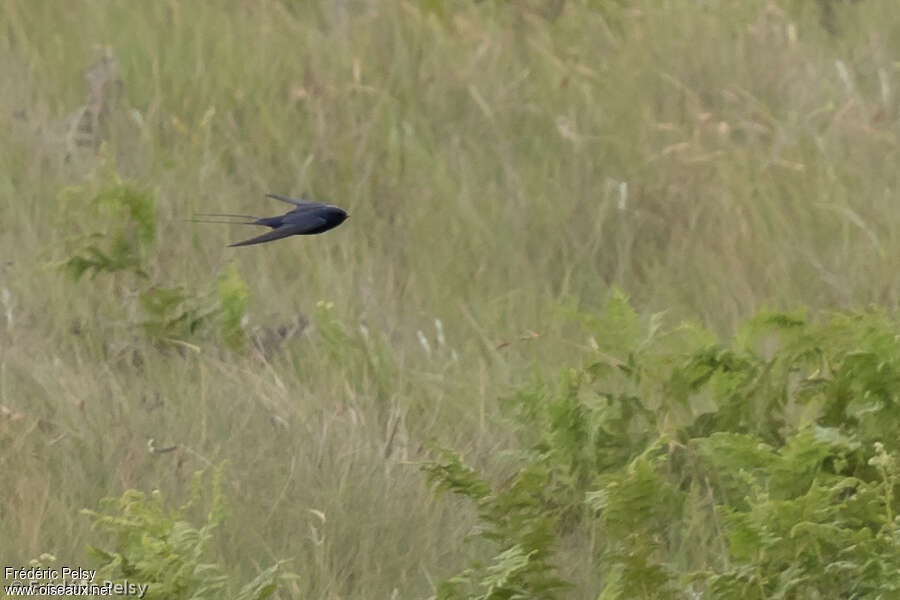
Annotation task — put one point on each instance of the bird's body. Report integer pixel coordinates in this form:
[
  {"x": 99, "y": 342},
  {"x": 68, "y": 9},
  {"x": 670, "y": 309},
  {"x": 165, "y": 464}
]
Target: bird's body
[{"x": 308, "y": 218}]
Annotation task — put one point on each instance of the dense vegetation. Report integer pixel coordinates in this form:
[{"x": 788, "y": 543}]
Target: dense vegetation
[
  {"x": 765, "y": 468},
  {"x": 613, "y": 315}
]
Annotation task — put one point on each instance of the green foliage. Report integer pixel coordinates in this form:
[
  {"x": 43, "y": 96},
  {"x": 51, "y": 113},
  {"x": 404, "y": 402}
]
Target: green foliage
[
  {"x": 516, "y": 520},
  {"x": 234, "y": 295},
  {"x": 128, "y": 219},
  {"x": 172, "y": 314},
  {"x": 126, "y": 216},
  {"x": 158, "y": 546},
  {"x": 828, "y": 535},
  {"x": 781, "y": 439}
]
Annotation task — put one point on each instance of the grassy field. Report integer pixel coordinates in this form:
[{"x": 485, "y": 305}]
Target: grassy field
[{"x": 505, "y": 165}]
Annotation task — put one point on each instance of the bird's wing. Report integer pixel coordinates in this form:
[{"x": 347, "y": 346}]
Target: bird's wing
[
  {"x": 284, "y": 231},
  {"x": 295, "y": 201}
]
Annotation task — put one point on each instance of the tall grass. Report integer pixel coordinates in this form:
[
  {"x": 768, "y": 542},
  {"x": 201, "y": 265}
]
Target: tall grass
[{"x": 503, "y": 166}]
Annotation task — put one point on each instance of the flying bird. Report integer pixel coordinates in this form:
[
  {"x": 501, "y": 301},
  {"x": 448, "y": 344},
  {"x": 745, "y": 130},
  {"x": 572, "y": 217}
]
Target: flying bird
[{"x": 307, "y": 218}]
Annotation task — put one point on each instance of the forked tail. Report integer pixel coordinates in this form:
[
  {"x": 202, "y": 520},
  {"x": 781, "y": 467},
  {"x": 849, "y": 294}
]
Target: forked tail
[{"x": 248, "y": 219}]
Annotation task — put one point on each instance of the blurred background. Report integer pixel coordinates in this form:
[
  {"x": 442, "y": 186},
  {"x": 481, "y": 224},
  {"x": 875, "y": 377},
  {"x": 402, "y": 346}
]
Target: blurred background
[{"x": 505, "y": 166}]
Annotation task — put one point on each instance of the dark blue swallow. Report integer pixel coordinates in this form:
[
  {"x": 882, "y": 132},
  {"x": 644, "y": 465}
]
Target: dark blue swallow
[{"x": 308, "y": 218}]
